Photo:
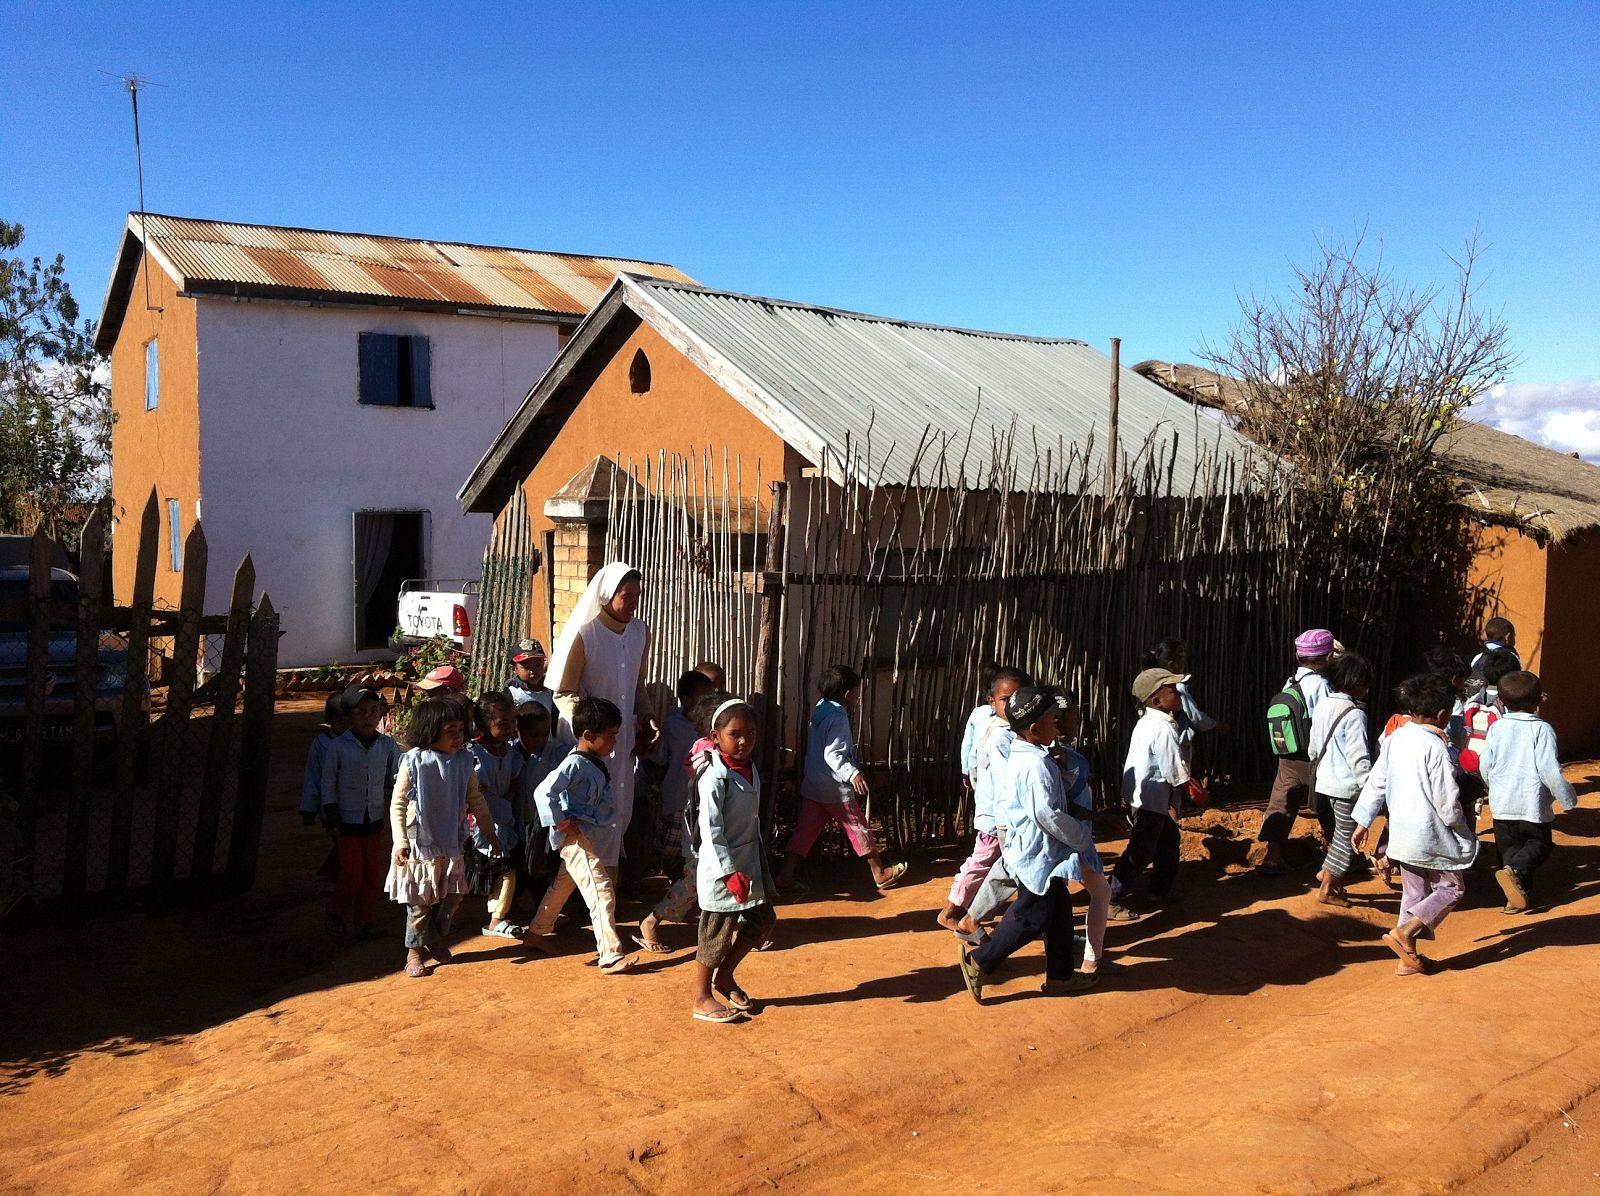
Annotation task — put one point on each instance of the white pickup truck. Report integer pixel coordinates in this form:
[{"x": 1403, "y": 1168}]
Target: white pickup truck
[{"x": 434, "y": 606}]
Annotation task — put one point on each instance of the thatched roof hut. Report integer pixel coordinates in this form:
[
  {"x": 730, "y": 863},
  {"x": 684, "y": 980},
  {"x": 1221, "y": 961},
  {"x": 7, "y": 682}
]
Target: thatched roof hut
[{"x": 1503, "y": 479}]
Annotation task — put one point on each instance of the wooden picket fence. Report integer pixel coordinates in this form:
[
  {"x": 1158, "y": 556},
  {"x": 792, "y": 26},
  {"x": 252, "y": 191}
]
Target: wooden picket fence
[{"x": 177, "y": 807}]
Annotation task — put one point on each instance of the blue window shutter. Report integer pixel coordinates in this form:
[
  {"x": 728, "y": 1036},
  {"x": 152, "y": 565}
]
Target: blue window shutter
[
  {"x": 380, "y": 369},
  {"x": 152, "y": 375},
  {"x": 421, "y": 387},
  {"x": 175, "y": 533}
]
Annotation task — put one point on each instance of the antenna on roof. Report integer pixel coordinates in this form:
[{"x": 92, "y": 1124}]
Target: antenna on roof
[{"x": 131, "y": 83}]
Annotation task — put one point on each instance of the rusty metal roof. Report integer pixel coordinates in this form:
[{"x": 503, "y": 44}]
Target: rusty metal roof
[{"x": 218, "y": 257}]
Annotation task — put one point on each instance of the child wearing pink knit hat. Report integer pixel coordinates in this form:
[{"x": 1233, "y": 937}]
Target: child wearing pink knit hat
[{"x": 1312, "y": 650}]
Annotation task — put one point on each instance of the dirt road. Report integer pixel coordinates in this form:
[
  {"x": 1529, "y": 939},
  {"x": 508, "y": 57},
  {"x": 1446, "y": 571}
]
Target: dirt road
[{"x": 1255, "y": 1041}]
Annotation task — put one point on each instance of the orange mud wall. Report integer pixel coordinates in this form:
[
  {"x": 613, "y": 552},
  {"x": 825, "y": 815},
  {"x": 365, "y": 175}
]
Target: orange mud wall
[
  {"x": 684, "y": 412},
  {"x": 1509, "y": 570},
  {"x": 159, "y": 448},
  {"x": 1570, "y": 640}
]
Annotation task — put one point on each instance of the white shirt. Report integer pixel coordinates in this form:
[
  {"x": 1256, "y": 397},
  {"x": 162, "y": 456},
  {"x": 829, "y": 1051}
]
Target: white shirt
[
  {"x": 1414, "y": 782},
  {"x": 1154, "y": 763},
  {"x": 1518, "y": 763},
  {"x": 1339, "y": 746}
]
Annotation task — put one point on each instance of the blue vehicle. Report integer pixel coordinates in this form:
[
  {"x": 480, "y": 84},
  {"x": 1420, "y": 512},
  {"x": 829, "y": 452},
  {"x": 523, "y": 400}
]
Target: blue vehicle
[{"x": 62, "y": 665}]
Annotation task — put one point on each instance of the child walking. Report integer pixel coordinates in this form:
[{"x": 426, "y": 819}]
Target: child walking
[
  {"x": 987, "y": 761},
  {"x": 736, "y": 916},
  {"x": 1153, "y": 774},
  {"x": 335, "y": 722},
  {"x": 1431, "y": 837},
  {"x": 1172, "y": 655},
  {"x": 831, "y": 783},
  {"x": 1047, "y": 849},
  {"x": 574, "y": 802},
  {"x": 1340, "y": 750},
  {"x": 1520, "y": 766},
  {"x": 541, "y": 751},
  {"x": 679, "y": 735},
  {"x": 435, "y": 789},
  {"x": 1498, "y": 636},
  {"x": 1312, "y": 650},
  {"x": 493, "y": 874},
  {"x": 358, "y": 776}
]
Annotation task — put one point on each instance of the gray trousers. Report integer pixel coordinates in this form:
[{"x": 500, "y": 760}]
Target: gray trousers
[
  {"x": 998, "y": 887},
  {"x": 427, "y": 924}
]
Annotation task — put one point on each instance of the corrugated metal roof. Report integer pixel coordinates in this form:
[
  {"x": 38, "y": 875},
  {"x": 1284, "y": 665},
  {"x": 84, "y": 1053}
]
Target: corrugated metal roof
[
  {"x": 864, "y": 392},
  {"x": 843, "y": 377},
  {"x": 256, "y": 259}
]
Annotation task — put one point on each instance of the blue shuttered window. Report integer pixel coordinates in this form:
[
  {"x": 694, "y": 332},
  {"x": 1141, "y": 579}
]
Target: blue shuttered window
[{"x": 394, "y": 370}]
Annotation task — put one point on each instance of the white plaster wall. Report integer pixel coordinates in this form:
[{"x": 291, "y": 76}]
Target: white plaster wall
[{"x": 287, "y": 454}]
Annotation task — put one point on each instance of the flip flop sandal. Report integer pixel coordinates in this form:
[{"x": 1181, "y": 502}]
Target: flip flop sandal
[
  {"x": 1405, "y": 969},
  {"x": 971, "y": 974},
  {"x": 618, "y": 967},
  {"x": 506, "y": 930},
  {"x": 896, "y": 875},
  {"x": 655, "y": 948},
  {"x": 415, "y": 968},
  {"x": 1398, "y": 945},
  {"x": 544, "y": 944},
  {"x": 976, "y": 938},
  {"x": 720, "y": 1017},
  {"x": 734, "y": 998},
  {"x": 440, "y": 954},
  {"x": 1121, "y": 913}
]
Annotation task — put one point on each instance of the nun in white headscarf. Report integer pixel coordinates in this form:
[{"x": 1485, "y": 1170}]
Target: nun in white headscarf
[{"x": 601, "y": 654}]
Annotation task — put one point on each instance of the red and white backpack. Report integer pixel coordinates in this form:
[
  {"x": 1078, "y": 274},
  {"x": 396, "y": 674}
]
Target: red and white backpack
[{"x": 1479, "y": 717}]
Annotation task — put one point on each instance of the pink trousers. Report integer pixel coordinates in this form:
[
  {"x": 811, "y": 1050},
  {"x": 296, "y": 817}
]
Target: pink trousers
[
  {"x": 985, "y": 851},
  {"x": 814, "y": 815}
]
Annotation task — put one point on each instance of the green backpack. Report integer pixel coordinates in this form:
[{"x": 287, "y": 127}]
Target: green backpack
[{"x": 1289, "y": 723}]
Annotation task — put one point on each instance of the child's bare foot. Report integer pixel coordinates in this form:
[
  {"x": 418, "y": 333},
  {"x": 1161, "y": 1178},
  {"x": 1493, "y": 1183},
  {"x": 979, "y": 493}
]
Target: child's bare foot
[
  {"x": 952, "y": 917},
  {"x": 414, "y": 963},
  {"x": 440, "y": 953},
  {"x": 544, "y": 944}
]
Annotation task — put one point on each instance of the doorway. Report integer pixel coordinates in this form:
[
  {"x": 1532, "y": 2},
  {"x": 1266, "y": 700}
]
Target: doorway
[{"x": 388, "y": 547}]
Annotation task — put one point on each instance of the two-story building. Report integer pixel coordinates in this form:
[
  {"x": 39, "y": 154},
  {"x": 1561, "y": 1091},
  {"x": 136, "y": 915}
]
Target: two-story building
[{"x": 316, "y": 398}]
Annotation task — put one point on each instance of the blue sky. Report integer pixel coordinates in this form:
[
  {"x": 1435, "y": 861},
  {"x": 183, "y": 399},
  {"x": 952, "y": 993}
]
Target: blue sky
[{"x": 1072, "y": 169}]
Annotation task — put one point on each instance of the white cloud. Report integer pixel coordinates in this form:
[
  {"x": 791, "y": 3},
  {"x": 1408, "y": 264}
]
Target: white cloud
[{"x": 1560, "y": 415}]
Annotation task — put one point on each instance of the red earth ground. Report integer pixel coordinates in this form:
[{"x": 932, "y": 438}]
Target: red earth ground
[{"x": 1255, "y": 1042}]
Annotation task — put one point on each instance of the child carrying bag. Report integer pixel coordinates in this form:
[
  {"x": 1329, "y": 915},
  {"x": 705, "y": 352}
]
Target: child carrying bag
[{"x": 1289, "y": 723}]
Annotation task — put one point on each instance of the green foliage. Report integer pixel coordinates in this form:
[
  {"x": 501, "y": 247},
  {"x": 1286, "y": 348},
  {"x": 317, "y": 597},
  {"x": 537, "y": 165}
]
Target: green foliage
[
  {"x": 55, "y": 410},
  {"x": 419, "y": 662}
]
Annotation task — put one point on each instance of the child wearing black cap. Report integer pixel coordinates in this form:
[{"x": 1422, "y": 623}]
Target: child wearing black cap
[
  {"x": 358, "y": 777},
  {"x": 1046, "y": 849},
  {"x": 526, "y": 683}
]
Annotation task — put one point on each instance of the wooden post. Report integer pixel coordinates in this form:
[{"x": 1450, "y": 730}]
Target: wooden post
[
  {"x": 175, "y": 722},
  {"x": 220, "y": 743},
  {"x": 255, "y": 746},
  {"x": 134, "y": 724},
  {"x": 33, "y": 717},
  {"x": 1116, "y": 401},
  {"x": 85, "y": 691},
  {"x": 769, "y": 647}
]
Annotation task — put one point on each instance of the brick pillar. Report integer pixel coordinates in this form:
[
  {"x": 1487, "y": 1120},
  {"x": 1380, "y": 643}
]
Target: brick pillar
[{"x": 580, "y": 542}]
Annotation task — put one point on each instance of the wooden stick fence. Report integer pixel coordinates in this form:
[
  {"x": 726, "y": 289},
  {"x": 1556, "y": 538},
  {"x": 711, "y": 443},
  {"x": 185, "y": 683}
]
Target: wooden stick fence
[{"x": 505, "y": 591}]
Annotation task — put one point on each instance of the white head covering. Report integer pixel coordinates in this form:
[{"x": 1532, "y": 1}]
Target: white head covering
[{"x": 602, "y": 588}]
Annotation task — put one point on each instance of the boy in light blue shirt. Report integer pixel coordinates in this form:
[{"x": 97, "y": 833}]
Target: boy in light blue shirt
[{"x": 1518, "y": 763}]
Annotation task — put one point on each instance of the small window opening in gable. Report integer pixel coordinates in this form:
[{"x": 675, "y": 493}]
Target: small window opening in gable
[
  {"x": 394, "y": 370},
  {"x": 639, "y": 373}
]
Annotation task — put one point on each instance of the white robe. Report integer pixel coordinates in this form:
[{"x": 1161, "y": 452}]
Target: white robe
[{"x": 611, "y": 670}]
